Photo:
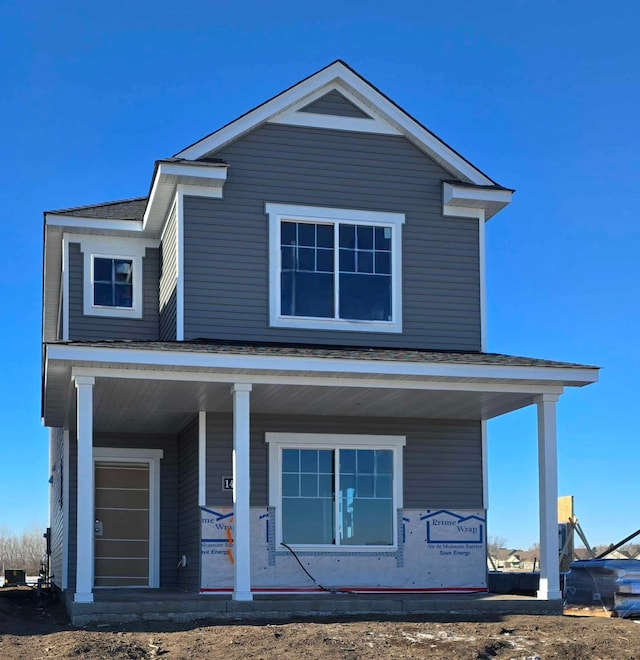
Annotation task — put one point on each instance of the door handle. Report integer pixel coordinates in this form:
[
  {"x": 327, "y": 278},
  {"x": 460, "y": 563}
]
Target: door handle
[{"x": 98, "y": 528}]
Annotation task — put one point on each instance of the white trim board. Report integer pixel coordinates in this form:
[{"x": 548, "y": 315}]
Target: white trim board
[
  {"x": 180, "y": 263},
  {"x": 202, "y": 458},
  {"x": 78, "y": 222},
  {"x": 340, "y": 77},
  {"x": 373, "y": 123}
]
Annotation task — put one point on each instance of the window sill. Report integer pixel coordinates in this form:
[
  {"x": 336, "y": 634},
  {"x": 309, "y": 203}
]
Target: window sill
[
  {"x": 311, "y": 323},
  {"x": 114, "y": 312},
  {"x": 355, "y": 549}
]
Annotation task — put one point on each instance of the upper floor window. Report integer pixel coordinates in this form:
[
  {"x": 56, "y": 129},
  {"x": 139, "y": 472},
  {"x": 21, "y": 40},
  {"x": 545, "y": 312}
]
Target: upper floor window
[
  {"x": 335, "y": 268},
  {"x": 112, "y": 282},
  {"x": 112, "y": 276}
]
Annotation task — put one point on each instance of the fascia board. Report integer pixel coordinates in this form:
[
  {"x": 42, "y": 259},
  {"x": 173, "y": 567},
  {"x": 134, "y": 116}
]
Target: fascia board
[
  {"x": 165, "y": 179},
  {"x": 115, "y": 356},
  {"x": 453, "y": 195},
  {"x": 429, "y": 143},
  {"x": 79, "y": 222},
  {"x": 200, "y": 171},
  {"x": 341, "y": 75},
  {"x": 262, "y": 113}
]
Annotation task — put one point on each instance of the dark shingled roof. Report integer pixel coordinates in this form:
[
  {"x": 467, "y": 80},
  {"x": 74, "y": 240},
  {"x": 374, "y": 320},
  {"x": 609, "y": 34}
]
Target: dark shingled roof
[
  {"x": 464, "y": 184},
  {"x": 124, "y": 209},
  {"x": 331, "y": 352}
]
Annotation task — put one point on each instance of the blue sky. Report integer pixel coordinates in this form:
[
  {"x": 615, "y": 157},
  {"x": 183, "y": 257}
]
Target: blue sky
[{"x": 542, "y": 95}]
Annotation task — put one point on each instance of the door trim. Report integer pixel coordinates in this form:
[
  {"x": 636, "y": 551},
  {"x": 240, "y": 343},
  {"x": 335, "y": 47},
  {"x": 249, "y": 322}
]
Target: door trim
[{"x": 152, "y": 458}]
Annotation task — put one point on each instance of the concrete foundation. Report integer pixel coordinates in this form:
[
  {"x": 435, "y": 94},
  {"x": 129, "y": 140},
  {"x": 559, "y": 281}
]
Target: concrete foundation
[{"x": 127, "y": 606}]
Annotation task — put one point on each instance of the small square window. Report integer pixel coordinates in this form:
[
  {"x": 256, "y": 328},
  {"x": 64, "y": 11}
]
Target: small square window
[
  {"x": 112, "y": 275},
  {"x": 112, "y": 282}
]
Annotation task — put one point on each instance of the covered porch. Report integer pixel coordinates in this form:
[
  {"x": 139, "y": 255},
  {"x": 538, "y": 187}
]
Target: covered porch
[{"x": 123, "y": 388}]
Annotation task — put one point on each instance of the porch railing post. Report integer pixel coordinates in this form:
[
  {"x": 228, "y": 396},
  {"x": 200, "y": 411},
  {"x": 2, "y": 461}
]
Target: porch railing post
[
  {"x": 241, "y": 490},
  {"x": 548, "y": 484},
  {"x": 85, "y": 531}
]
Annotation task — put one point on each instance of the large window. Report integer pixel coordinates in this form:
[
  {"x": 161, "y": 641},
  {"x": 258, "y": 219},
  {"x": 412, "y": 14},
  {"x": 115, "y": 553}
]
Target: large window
[
  {"x": 336, "y": 491},
  {"x": 335, "y": 268}
]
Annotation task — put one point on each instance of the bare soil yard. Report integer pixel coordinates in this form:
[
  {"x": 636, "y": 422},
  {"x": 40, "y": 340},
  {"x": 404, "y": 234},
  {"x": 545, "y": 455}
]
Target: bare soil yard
[{"x": 33, "y": 628}]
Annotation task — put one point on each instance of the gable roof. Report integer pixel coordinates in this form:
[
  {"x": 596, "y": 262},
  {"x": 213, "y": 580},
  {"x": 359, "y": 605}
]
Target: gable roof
[{"x": 341, "y": 77}]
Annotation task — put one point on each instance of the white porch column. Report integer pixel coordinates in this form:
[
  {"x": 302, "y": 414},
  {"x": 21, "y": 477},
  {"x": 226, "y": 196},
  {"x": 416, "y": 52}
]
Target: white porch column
[
  {"x": 85, "y": 515},
  {"x": 202, "y": 458},
  {"x": 241, "y": 488},
  {"x": 548, "y": 483}
]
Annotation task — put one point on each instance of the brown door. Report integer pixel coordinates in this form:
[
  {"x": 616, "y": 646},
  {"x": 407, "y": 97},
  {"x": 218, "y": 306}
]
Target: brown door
[{"x": 122, "y": 524}]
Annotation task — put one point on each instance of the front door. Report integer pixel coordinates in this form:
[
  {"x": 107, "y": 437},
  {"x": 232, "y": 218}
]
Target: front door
[{"x": 122, "y": 524}]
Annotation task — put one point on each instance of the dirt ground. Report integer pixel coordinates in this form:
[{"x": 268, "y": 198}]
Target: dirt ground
[{"x": 34, "y": 628}]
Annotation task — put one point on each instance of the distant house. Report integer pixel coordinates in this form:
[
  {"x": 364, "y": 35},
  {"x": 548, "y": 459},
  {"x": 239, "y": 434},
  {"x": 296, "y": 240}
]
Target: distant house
[{"x": 282, "y": 349}]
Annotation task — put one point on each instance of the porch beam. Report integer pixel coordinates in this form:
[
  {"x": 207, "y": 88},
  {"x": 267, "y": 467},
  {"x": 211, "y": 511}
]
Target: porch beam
[
  {"x": 85, "y": 531},
  {"x": 548, "y": 484},
  {"x": 325, "y": 381},
  {"x": 241, "y": 490}
]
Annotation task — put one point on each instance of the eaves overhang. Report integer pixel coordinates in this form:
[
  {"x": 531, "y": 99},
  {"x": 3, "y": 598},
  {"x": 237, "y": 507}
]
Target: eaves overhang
[
  {"x": 565, "y": 375},
  {"x": 203, "y": 178},
  {"x": 464, "y": 199}
]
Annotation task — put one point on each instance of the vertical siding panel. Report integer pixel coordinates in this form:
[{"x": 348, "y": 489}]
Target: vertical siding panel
[
  {"x": 168, "y": 279},
  {"x": 442, "y": 458},
  {"x": 56, "y": 507},
  {"x": 189, "y": 511}
]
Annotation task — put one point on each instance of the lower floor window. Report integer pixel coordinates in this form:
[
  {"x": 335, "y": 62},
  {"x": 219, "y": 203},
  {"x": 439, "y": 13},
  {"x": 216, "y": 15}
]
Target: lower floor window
[{"x": 337, "y": 495}]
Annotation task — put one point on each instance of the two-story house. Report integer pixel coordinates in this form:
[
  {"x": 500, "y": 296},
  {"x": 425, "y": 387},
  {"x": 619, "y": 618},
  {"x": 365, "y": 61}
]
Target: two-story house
[{"x": 270, "y": 373}]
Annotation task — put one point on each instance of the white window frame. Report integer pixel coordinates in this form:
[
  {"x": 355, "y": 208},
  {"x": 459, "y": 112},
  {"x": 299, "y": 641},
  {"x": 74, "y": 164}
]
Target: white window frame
[
  {"x": 279, "y": 441},
  {"x": 279, "y": 213},
  {"x": 108, "y": 248}
]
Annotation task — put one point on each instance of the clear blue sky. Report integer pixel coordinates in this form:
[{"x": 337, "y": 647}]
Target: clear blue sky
[{"x": 542, "y": 95}]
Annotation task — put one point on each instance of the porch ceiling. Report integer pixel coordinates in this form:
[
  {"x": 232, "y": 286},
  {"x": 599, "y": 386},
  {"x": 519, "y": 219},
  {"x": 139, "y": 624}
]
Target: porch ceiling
[
  {"x": 157, "y": 387},
  {"x": 136, "y": 405}
]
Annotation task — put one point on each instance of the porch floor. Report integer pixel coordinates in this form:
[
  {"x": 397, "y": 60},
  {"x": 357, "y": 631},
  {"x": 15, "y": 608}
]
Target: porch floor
[{"x": 130, "y": 605}]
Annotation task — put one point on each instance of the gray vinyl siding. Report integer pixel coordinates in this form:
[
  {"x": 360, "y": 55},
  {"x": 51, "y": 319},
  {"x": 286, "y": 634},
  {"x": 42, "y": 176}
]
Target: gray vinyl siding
[
  {"x": 188, "y": 509},
  {"x": 442, "y": 463},
  {"x": 168, "y": 279},
  {"x": 226, "y": 240},
  {"x": 334, "y": 103},
  {"x": 100, "y": 327},
  {"x": 56, "y": 507},
  {"x": 169, "y": 477}
]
